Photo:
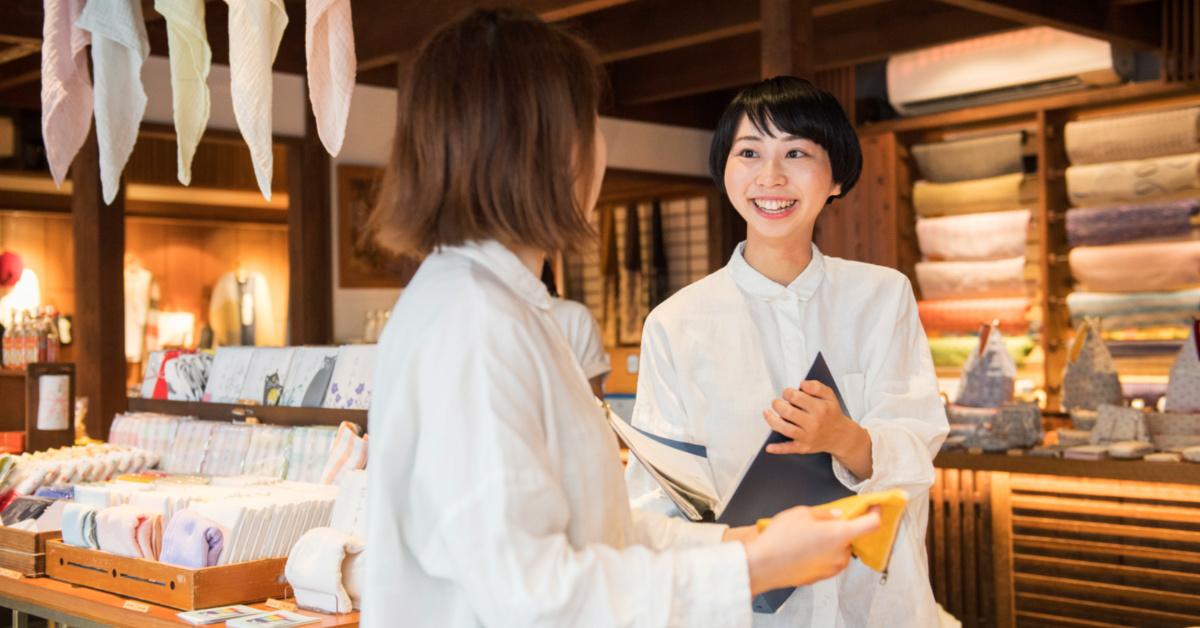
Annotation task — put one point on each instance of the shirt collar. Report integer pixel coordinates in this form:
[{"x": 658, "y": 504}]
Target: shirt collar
[
  {"x": 506, "y": 266},
  {"x": 759, "y": 286}
]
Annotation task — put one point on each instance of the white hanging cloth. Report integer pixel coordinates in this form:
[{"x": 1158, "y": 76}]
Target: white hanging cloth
[
  {"x": 66, "y": 86},
  {"x": 255, "y": 29},
  {"x": 191, "y": 58},
  {"x": 329, "y": 50},
  {"x": 119, "y": 47}
]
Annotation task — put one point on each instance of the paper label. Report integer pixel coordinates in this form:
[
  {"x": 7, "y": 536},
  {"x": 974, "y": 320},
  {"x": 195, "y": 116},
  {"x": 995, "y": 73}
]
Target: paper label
[
  {"x": 281, "y": 605},
  {"x": 8, "y": 573},
  {"x": 130, "y": 605},
  {"x": 53, "y": 411}
]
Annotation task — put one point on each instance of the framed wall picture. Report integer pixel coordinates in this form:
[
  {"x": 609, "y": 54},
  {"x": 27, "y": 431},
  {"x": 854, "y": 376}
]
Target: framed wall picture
[{"x": 362, "y": 263}]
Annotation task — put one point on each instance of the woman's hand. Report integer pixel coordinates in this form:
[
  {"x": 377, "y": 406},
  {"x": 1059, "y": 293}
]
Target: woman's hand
[
  {"x": 803, "y": 546},
  {"x": 745, "y": 534},
  {"x": 812, "y": 418}
]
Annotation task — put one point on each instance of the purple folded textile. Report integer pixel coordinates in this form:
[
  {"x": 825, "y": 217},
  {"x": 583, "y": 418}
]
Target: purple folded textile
[
  {"x": 1095, "y": 226},
  {"x": 192, "y": 541}
]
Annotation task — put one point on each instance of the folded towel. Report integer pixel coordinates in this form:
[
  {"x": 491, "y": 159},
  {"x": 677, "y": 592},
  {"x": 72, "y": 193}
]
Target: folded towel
[
  {"x": 1118, "y": 310},
  {"x": 966, "y": 315},
  {"x": 56, "y": 492},
  {"x": 1136, "y": 136},
  {"x": 974, "y": 237},
  {"x": 1160, "y": 179},
  {"x": 1003, "y": 193},
  {"x": 1111, "y": 224},
  {"x": 329, "y": 49},
  {"x": 227, "y": 516},
  {"x": 966, "y": 280},
  {"x": 128, "y": 531},
  {"x": 67, "y": 97},
  {"x": 255, "y": 30},
  {"x": 971, "y": 158},
  {"x": 119, "y": 47},
  {"x": 79, "y": 526},
  {"x": 349, "y": 453},
  {"x": 23, "y": 508},
  {"x": 1144, "y": 267},
  {"x": 314, "y": 569},
  {"x": 191, "y": 58},
  {"x": 192, "y": 541}
]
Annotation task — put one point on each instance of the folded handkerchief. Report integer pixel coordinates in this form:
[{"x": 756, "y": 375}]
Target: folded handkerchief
[
  {"x": 118, "y": 531},
  {"x": 314, "y": 569},
  {"x": 66, "y": 86},
  {"x": 349, "y": 452},
  {"x": 969, "y": 280},
  {"x": 23, "y": 508},
  {"x": 149, "y": 535},
  {"x": 229, "y": 518},
  {"x": 79, "y": 526},
  {"x": 329, "y": 47},
  {"x": 56, "y": 492},
  {"x": 187, "y": 44},
  {"x": 1136, "y": 136},
  {"x": 1139, "y": 181},
  {"x": 192, "y": 541},
  {"x": 119, "y": 47},
  {"x": 970, "y": 159},
  {"x": 255, "y": 29},
  {"x": 1144, "y": 267}
]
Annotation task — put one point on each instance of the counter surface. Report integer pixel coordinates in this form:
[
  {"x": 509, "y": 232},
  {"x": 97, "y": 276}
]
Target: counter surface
[{"x": 1136, "y": 470}]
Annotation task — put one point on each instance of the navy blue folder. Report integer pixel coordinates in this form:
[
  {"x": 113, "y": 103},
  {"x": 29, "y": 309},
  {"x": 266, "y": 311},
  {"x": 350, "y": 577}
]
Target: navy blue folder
[{"x": 776, "y": 482}]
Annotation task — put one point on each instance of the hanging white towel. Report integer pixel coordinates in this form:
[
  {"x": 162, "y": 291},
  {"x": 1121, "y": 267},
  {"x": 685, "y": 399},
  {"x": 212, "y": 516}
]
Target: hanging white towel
[
  {"x": 255, "y": 29},
  {"x": 191, "y": 57},
  {"x": 329, "y": 50},
  {"x": 66, "y": 86},
  {"x": 314, "y": 569},
  {"x": 119, "y": 47}
]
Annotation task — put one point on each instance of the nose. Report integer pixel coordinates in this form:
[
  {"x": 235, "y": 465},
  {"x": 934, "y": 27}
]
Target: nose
[{"x": 771, "y": 174}]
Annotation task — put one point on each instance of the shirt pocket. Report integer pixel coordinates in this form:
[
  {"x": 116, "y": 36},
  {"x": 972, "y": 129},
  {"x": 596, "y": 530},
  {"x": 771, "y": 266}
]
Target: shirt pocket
[{"x": 854, "y": 387}]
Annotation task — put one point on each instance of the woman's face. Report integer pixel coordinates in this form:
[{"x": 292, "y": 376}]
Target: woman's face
[
  {"x": 777, "y": 182},
  {"x": 599, "y": 163}
]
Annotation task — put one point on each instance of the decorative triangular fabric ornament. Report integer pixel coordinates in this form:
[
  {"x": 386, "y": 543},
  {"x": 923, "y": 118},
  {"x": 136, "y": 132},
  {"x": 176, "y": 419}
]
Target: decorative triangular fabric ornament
[
  {"x": 1183, "y": 388},
  {"x": 1090, "y": 378},
  {"x": 989, "y": 374}
]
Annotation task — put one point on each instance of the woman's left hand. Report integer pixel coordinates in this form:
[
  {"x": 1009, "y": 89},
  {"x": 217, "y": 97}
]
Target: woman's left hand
[{"x": 812, "y": 418}]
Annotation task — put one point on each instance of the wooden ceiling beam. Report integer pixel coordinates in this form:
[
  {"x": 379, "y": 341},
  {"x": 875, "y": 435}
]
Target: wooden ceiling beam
[
  {"x": 1135, "y": 26},
  {"x": 639, "y": 29},
  {"x": 699, "y": 69}
]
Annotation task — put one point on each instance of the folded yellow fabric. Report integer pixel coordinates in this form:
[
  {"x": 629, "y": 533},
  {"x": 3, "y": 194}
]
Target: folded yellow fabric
[{"x": 874, "y": 549}]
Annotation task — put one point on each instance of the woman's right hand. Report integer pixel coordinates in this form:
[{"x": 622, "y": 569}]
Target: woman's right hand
[{"x": 803, "y": 546}]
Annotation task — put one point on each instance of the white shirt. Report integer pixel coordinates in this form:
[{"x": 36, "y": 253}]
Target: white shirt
[
  {"x": 583, "y": 336},
  {"x": 497, "y": 498},
  {"x": 718, "y": 352},
  {"x": 25, "y": 295}
]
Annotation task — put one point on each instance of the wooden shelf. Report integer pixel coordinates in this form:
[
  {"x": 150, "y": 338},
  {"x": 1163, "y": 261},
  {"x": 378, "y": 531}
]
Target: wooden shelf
[
  {"x": 272, "y": 415},
  {"x": 1135, "y": 470}
]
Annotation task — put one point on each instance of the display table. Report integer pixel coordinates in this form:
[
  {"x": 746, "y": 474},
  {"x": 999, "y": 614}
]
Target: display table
[{"x": 81, "y": 607}]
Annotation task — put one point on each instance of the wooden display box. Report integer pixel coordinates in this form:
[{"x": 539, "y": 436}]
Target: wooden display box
[
  {"x": 25, "y": 552},
  {"x": 167, "y": 585}
]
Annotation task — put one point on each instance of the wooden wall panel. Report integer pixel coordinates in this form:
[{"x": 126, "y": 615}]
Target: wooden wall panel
[{"x": 864, "y": 225}]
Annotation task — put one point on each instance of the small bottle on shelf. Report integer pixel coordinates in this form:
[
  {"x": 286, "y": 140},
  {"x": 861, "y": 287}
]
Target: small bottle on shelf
[
  {"x": 49, "y": 335},
  {"x": 29, "y": 338},
  {"x": 6, "y": 358}
]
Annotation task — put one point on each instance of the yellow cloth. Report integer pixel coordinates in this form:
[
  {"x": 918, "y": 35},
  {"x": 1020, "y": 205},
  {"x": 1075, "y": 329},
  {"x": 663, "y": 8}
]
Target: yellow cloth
[
  {"x": 187, "y": 43},
  {"x": 874, "y": 549}
]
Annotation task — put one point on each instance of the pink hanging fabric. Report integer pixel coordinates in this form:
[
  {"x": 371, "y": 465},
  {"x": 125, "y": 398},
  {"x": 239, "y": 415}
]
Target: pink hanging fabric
[
  {"x": 329, "y": 49},
  {"x": 67, "y": 97}
]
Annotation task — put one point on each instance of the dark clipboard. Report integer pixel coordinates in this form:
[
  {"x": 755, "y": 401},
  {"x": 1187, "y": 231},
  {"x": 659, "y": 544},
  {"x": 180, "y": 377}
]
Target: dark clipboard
[{"x": 770, "y": 485}]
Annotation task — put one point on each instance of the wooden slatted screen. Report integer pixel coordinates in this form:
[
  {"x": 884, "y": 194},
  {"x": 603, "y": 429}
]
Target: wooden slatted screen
[
  {"x": 960, "y": 546},
  {"x": 1181, "y": 40}
]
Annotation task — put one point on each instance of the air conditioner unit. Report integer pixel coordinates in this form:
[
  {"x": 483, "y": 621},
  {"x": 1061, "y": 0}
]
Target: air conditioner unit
[{"x": 997, "y": 68}]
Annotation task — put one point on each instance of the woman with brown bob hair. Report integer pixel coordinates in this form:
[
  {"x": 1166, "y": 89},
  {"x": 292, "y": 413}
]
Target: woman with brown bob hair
[{"x": 496, "y": 496}]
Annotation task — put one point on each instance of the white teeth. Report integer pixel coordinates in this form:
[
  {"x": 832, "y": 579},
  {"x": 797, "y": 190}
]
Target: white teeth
[{"x": 774, "y": 206}]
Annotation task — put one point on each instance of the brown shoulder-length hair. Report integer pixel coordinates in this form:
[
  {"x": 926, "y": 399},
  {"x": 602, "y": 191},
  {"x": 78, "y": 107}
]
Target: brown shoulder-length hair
[{"x": 495, "y": 135}]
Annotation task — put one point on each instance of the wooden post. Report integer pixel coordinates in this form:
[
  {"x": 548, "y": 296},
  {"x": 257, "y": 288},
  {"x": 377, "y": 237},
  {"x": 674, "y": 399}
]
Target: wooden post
[
  {"x": 787, "y": 38},
  {"x": 1002, "y": 550},
  {"x": 1052, "y": 231},
  {"x": 310, "y": 260},
  {"x": 99, "y": 315}
]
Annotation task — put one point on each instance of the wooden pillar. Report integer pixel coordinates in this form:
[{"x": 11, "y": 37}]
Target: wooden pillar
[
  {"x": 310, "y": 261},
  {"x": 99, "y": 315},
  {"x": 787, "y": 38},
  {"x": 1052, "y": 233}
]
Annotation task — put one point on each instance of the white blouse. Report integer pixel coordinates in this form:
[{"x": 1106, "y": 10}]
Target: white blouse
[
  {"x": 718, "y": 352},
  {"x": 583, "y": 336},
  {"x": 495, "y": 496}
]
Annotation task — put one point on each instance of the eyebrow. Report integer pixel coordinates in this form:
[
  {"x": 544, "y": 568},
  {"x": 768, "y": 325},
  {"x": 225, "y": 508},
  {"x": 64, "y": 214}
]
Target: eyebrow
[{"x": 756, "y": 138}]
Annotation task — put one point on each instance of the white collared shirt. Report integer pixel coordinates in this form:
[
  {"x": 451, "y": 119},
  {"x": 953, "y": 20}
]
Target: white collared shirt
[
  {"x": 718, "y": 352},
  {"x": 583, "y": 336},
  {"x": 495, "y": 496}
]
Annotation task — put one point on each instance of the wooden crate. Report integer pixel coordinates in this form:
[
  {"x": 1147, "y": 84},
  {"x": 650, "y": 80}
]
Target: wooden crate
[
  {"x": 167, "y": 585},
  {"x": 25, "y": 552}
]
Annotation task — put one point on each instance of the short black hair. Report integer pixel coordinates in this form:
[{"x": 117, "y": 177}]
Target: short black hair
[{"x": 796, "y": 107}]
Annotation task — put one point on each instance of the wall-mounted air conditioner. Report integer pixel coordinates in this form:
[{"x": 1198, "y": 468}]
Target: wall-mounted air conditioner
[{"x": 997, "y": 68}]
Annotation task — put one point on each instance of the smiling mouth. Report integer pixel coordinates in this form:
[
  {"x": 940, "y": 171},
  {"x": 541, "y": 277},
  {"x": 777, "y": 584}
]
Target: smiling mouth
[{"x": 774, "y": 206}]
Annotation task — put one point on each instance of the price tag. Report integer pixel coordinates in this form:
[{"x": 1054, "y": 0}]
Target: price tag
[
  {"x": 130, "y": 605},
  {"x": 8, "y": 573},
  {"x": 281, "y": 605}
]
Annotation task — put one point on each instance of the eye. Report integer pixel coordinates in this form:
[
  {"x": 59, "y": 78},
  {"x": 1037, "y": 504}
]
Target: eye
[
  {"x": 746, "y": 152},
  {"x": 796, "y": 153}
]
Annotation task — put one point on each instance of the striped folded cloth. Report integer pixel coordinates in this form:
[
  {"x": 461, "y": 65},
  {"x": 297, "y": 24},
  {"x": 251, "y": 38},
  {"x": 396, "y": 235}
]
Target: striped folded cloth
[
  {"x": 966, "y": 315},
  {"x": 1136, "y": 136},
  {"x": 1112, "y": 224},
  {"x": 974, "y": 237},
  {"x": 349, "y": 452},
  {"x": 1124, "y": 310},
  {"x": 1138, "y": 181},
  {"x": 971, "y": 158},
  {"x": 967, "y": 280},
  {"x": 1140, "y": 267}
]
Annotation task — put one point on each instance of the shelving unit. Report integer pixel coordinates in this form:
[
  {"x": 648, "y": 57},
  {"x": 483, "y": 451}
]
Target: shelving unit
[{"x": 272, "y": 415}]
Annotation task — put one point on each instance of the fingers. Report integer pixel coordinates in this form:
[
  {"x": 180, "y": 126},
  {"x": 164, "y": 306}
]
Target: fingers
[
  {"x": 818, "y": 390},
  {"x": 865, "y": 524},
  {"x": 787, "y": 428}
]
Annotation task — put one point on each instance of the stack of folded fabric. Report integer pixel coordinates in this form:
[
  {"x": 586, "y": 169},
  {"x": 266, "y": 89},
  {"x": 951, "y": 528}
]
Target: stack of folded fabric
[
  {"x": 1134, "y": 184},
  {"x": 973, "y": 216}
]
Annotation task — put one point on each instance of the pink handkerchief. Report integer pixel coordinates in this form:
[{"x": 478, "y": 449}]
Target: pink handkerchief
[
  {"x": 66, "y": 86},
  {"x": 329, "y": 48},
  {"x": 118, "y": 531}
]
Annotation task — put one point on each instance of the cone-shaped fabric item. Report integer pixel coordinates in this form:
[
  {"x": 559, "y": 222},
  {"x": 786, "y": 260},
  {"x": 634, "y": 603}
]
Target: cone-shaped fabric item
[
  {"x": 66, "y": 86},
  {"x": 119, "y": 47},
  {"x": 187, "y": 41},
  {"x": 255, "y": 29},
  {"x": 329, "y": 49}
]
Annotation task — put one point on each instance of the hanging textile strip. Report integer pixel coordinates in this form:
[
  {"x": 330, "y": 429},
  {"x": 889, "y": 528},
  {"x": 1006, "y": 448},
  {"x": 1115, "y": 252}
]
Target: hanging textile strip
[
  {"x": 329, "y": 51},
  {"x": 191, "y": 58},
  {"x": 1112, "y": 224},
  {"x": 1146, "y": 267},
  {"x": 1159, "y": 179},
  {"x": 67, "y": 97},
  {"x": 1008, "y": 192},
  {"x": 255, "y": 30},
  {"x": 971, "y": 158},
  {"x": 1137, "y": 136},
  {"x": 974, "y": 237}
]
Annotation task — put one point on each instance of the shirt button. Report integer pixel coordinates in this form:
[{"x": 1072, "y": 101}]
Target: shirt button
[{"x": 826, "y": 600}]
